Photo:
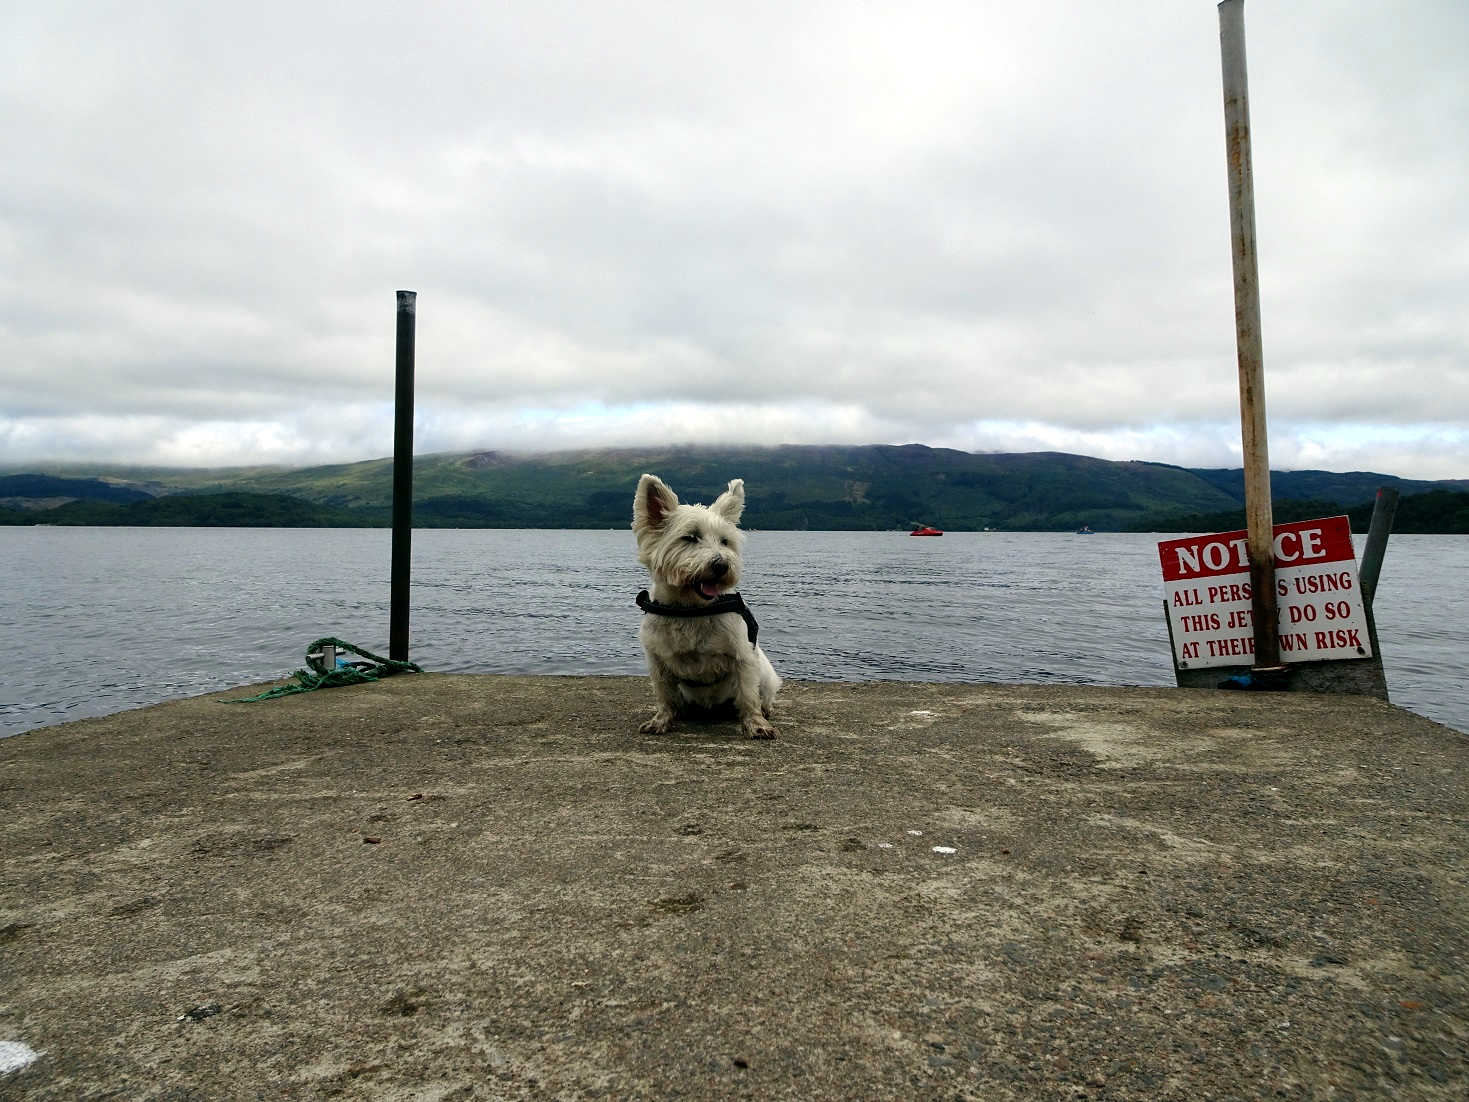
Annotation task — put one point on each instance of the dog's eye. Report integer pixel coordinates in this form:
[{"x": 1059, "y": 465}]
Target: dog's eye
[
  {"x": 724, "y": 543},
  {"x": 692, "y": 537}
]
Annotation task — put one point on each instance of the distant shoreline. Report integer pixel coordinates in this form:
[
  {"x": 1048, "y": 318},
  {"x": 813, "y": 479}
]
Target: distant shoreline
[
  {"x": 859, "y": 488},
  {"x": 1437, "y": 513}
]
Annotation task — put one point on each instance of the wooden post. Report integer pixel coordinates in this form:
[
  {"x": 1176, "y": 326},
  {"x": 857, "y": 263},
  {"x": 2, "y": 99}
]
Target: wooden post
[
  {"x": 1258, "y": 518},
  {"x": 402, "y": 480}
]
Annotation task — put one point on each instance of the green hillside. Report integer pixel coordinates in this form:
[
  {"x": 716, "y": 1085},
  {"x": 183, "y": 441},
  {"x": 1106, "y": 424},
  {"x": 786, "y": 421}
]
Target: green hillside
[
  {"x": 1351, "y": 486},
  {"x": 874, "y": 487},
  {"x": 1438, "y": 511},
  {"x": 221, "y": 510},
  {"x": 827, "y": 488}
]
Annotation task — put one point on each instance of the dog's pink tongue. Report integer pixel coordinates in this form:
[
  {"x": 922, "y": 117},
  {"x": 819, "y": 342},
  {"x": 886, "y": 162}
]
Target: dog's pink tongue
[{"x": 709, "y": 589}]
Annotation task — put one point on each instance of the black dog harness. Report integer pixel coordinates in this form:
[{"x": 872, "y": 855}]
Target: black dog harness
[{"x": 730, "y": 602}]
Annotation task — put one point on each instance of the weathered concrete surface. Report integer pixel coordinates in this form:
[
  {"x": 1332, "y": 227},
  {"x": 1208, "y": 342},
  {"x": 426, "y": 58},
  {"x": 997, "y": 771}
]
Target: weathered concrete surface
[{"x": 489, "y": 887}]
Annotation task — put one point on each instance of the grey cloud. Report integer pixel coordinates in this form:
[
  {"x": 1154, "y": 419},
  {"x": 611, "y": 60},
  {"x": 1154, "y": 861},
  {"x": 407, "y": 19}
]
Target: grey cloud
[{"x": 974, "y": 225}]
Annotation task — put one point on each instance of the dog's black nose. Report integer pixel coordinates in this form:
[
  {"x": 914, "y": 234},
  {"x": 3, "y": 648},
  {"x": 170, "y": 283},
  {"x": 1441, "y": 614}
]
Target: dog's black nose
[{"x": 719, "y": 568}]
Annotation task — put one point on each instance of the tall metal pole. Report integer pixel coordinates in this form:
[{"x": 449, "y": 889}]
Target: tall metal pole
[
  {"x": 402, "y": 480},
  {"x": 1384, "y": 508},
  {"x": 1258, "y": 518}
]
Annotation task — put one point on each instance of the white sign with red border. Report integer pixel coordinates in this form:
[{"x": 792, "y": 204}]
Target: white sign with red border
[{"x": 1206, "y": 582}]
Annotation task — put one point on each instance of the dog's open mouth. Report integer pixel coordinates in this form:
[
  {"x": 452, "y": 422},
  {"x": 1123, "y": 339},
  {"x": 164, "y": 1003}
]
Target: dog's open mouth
[{"x": 708, "y": 590}]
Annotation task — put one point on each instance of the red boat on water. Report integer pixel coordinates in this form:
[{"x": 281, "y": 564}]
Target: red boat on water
[{"x": 925, "y": 530}]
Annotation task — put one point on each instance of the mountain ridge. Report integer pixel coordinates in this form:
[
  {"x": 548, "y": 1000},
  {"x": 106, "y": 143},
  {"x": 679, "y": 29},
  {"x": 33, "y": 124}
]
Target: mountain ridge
[{"x": 875, "y": 486}]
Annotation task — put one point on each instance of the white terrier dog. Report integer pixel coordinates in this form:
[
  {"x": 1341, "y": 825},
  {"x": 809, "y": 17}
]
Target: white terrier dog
[{"x": 698, "y": 635}]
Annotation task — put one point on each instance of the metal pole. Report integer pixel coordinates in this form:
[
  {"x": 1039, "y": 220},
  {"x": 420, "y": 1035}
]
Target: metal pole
[
  {"x": 1383, "y": 510},
  {"x": 402, "y": 480},
  {"x": 1259, "y": 520}
]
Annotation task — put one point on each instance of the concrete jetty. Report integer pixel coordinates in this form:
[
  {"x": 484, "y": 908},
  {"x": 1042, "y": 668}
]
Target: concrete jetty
[{"x": 477, "y": 887}]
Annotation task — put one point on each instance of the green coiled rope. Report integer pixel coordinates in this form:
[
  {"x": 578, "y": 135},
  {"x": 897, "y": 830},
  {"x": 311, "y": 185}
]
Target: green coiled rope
[{"x": 317, "y": 676}]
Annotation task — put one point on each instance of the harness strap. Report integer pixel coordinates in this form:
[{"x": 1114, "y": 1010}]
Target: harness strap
[{"x": 730, "y": 602}]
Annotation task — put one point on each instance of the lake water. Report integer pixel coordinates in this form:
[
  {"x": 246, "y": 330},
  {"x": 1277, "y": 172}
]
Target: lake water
[{"x": 102, "y": 619}]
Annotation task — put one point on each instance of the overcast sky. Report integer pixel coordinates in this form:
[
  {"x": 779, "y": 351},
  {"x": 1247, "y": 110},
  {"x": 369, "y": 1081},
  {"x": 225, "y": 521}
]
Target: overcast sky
[{"x": 990, "y": 226}]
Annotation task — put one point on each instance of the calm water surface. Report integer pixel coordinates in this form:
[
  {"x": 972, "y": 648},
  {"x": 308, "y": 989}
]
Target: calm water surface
[{"x": 102, "y": 619}]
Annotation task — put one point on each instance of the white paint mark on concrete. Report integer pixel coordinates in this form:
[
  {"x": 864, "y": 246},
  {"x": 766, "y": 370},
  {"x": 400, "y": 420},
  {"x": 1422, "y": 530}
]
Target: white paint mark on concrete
[
  {"x": 944, "y": 849},
  {"x": 15, "y": 1055},
  {"x": 884, "y": 845},
  {"x": 916, "y": 833}
]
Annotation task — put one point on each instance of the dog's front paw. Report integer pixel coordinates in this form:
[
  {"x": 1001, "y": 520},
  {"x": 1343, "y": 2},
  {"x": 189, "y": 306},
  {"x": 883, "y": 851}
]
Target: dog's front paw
[
  {"x": 658, "y": 724},
  {"x": 760, "y": 728}
]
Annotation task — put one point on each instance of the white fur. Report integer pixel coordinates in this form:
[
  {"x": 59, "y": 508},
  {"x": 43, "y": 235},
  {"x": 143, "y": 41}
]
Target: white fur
[{"x": 693, "y": 555}]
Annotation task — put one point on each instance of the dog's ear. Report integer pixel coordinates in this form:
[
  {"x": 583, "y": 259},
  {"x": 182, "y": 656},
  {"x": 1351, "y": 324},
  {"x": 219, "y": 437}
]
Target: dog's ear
[
  {"x": 653, "y": 503},
  {"x": 731, "y": 504}
]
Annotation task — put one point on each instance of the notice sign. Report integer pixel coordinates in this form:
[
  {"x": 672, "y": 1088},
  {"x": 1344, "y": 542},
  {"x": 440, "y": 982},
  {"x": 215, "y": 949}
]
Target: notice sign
[{"x": 1206, "y": 582}]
